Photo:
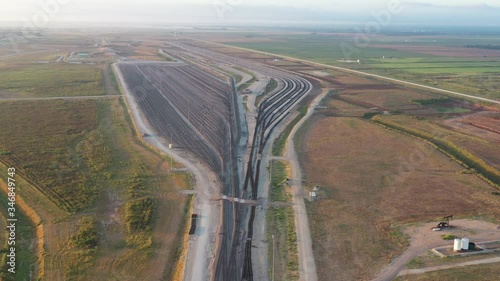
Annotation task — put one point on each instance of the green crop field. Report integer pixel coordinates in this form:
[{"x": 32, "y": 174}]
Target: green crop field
[
  {"x": 24, "y": 250},
  {"x": 414, "y": 61},
  {"x": 51, "y": 80}
]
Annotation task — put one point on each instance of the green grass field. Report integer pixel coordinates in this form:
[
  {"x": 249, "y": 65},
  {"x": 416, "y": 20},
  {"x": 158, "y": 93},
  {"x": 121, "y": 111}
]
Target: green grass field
[
  {"x": 280, "y": 224},
  {"x": 24, "y": 251},
  {"x": 472, "y": 75},
  {"x": 51, "y": 80}
]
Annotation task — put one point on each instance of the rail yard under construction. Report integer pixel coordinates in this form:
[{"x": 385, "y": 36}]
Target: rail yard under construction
[{"x": 194, "y": 105}]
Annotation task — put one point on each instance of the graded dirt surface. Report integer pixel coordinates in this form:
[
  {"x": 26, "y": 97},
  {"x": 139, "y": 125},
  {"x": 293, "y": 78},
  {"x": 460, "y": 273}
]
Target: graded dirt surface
[
  {"x": 483, "y": 272},
  {"x": 422, "y": 239},
  {"x": 372, "y": 181}
]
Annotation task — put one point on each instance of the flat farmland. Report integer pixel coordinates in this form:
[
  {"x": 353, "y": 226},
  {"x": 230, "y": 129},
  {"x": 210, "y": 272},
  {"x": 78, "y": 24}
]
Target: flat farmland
[
  {"x": 369, "y": 93},
  {"x": 458, "y": 61},
  {"x": 111, "y": 173},
  {"x": 479, "y": 124},
  {"x": 483, "y": 143},
  {"x": 324, "y": 48},
  {"x": 41, "y": 138},
  {"x": 365, "y": 184},
  {"x": 50, "y": 80}
]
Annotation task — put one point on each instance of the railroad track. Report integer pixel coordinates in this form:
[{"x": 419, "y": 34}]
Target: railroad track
[
  {"x": 271, "y": 113},
  {"x": 186, "y": 106},
  {"x": 198, "y": 112},
  {"x": 234, "y": 261}
]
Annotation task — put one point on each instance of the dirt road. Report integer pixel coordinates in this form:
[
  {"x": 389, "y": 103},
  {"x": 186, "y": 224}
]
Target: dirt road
[
  {"x": 449, "y": 266},
  {"x": 307, "y": 265},
  {"x": 202, "y": 243}
]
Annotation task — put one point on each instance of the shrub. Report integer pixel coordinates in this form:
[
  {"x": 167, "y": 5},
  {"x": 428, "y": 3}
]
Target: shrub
[{"x": 86, "y": 236}]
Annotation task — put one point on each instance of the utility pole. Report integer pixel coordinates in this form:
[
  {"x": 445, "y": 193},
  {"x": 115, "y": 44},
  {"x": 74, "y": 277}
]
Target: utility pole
[
  {"x": 189, "y": 109},
  {"x": 272, "y": 278},
  {"x": 171, "y": 147},
  {"x": 271, "y": 174}
]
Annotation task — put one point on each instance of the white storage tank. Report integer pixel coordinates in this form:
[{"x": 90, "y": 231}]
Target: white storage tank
[
  {"x": 465, "y": 243},
  {"x": 457, "y": 246}
]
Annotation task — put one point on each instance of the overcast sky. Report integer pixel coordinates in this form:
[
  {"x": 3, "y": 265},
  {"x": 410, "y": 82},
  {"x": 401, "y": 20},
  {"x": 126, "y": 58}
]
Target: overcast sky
[{"x": 229, "y": 11}]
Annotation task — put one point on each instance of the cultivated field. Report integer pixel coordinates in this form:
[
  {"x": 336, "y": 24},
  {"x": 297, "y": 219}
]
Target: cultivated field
[
  {"x": 459, "y": 63},
  {"x": 46, "y": 140},
  {"x": 477, "y": 143},
  {"x": 26, "y": 259},
  {"x": 50, "y": 80}
]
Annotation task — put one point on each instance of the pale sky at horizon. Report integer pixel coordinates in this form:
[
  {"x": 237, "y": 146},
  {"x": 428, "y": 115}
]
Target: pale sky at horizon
[{"x": 120, "y": 10}]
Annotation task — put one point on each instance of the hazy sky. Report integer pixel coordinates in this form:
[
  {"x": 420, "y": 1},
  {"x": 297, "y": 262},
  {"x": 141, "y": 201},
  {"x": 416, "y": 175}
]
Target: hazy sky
[{"x": 227, "y": 11}]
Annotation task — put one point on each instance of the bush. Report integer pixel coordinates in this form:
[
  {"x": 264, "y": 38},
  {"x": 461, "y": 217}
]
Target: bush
[
  {"x": 448, "y": 237},
  {"x": 86, "y": 237},
  {"x": 139, "y": 215}
]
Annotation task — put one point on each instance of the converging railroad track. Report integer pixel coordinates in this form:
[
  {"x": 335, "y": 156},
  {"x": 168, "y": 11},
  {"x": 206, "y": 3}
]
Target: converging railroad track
[
  {"x": 234, "y": 260},
  {"x": 195, "y": 112},
  {"x": 198, "y": 112},
  {"x": 271, "y": 113},
  {"x": 186, "y": 106}
]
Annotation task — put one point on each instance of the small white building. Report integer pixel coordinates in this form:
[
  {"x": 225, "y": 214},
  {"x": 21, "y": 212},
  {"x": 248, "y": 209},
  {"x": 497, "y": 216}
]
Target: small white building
[{"x": 312, "y": 196}]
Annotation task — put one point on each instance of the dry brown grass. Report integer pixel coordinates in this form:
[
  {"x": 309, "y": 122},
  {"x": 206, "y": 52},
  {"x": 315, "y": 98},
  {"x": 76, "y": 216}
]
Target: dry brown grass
[
  {"x": 364, "y": 197},
  {"x": 40, "y": 138},
  {"x": 485, "y": 272},
  {"x": 113, "y": 259},
  {"x": 376, "y": 93},
  {"x": 480, "y": 142}
]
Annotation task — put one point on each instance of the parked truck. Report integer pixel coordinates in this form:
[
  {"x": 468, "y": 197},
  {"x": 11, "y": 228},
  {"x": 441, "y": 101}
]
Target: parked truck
[{"x": 192, "y": 230}]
